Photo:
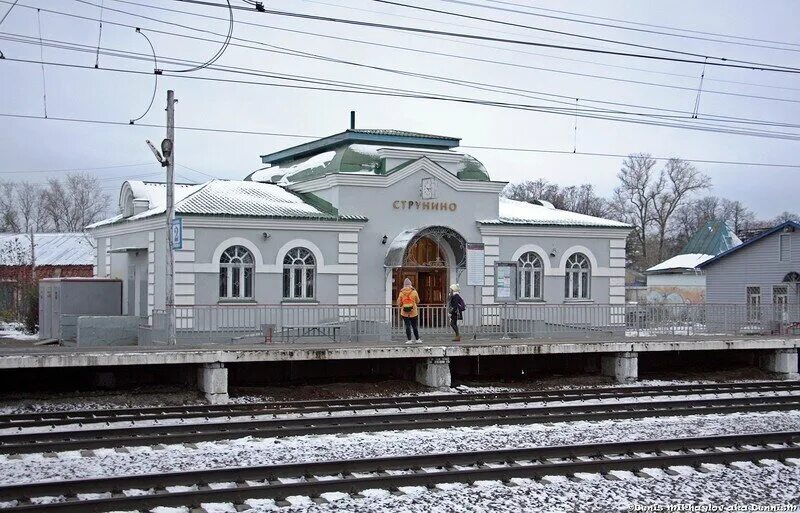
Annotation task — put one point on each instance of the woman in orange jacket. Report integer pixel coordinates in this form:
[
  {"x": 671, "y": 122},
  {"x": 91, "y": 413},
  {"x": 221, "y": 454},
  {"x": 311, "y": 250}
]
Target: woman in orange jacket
[{"x": 407, "y": 300}]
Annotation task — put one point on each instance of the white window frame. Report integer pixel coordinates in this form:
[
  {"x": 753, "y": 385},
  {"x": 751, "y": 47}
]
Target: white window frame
[
  {"x": 531, "y": 270},
  {"x": 239, "y": 259},
  {"x": 780, "y": 301},
  {"x": 785, "y": 241},
  {"x": 576, "y": 267},
  {"x": 753, "y": 301},
  {"x": 299, "y": 259}
]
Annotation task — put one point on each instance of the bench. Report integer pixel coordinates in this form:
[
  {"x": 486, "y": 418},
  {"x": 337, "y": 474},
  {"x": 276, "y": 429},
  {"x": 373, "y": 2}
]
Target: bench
[{"x": 329, "y": 330}]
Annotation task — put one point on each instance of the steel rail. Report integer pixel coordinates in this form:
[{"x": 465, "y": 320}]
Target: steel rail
[
  {"x": 279, "y": 427},
  {"x": 42, "y": 419},
  {"x": 516, "y": 463}
]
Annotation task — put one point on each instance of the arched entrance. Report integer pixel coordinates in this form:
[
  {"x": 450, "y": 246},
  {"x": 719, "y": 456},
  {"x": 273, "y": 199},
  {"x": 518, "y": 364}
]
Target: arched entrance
[
  {"x": 431, "y": 258},
  {"x": 426, "y": 266}
]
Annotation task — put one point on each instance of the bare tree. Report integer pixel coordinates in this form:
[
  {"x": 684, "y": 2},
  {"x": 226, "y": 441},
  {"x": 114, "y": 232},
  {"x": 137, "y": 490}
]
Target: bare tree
[
  {"x": 581, "y": 198},
  {"x": 633, "y": 198},
  {"x": 673, "y": 186},
  {"x": 8, "y": 210},
  {"x": 29, "y": 206},
  {"x": 74, "y": 202},
  {"x": 739, "y": 217}
]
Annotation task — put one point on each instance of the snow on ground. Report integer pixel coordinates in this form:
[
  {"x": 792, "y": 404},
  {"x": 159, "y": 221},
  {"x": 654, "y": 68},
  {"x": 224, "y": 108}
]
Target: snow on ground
[
  {"x": 252, "y": 452},
  {"x": 15, "y": 331},
  {"x": 723, "y": 488}
]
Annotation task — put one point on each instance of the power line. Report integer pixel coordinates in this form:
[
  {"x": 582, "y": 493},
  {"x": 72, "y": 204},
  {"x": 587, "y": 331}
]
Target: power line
[
  {"x": 304, "y": 136},
  {"x": 640, "y": 24},
  {"x": 77, "y": 169},
  {"x": 461, "y": 82},
  {"x": 344, "y": 87},
  {"x": 475, "y": 85},
  {"x": 8, "y": 12},
  {"x": 726, "y": 64},
  {"x": 619, "y": 27},
  {"x": 429, "y": 52},
  {"x": 564, "y": 33}
]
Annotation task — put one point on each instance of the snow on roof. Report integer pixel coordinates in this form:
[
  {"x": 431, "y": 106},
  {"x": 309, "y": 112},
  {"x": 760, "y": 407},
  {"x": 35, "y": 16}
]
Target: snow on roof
[
  {"x": 266, "y": 174},
  {"x": 524, "y": 213},
  {"x": 156, "y": 192},
  {"x": 50, "y": 249},
  {"x": 233, "y": 198},
  {"x": 685, "y": 262}
]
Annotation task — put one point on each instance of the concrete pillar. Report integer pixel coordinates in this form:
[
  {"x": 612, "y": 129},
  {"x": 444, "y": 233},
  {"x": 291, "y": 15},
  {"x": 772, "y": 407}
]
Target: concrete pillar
[
  {"x": 212, "y": 380},
  {"x": 434, "y": 372},
  {"x": 623, "y": 367},
  {"x": 782, "y": 362}
]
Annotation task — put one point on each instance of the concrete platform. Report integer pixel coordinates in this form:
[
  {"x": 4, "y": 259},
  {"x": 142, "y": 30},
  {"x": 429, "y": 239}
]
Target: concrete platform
[{"x": 52, "y": 357}]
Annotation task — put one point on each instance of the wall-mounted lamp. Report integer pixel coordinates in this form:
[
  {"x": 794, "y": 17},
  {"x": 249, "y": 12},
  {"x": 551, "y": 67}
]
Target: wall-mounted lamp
[
  {"x": 553, "y": 253},
  {"x": 266, "y": 235},
  {"x": 384, "y": 239}
]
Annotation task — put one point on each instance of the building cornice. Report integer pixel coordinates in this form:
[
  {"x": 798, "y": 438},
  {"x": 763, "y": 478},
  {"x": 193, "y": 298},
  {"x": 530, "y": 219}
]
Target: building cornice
[
  {"x": 554, "y": 231},
  {"x": 272, "y": 224}
]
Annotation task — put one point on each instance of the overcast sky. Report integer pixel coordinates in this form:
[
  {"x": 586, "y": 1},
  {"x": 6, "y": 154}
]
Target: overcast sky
[{"x": 28, "y": 146}]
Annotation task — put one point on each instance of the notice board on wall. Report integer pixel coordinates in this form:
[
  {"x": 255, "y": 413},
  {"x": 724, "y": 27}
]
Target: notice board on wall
[
  {"x": 505, "y": 282},
  {"x": 476, "y": 259}
]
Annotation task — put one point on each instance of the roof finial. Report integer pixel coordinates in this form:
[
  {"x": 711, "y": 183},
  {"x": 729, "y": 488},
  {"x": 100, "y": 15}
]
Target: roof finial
[{"x": 352, "y": 120}]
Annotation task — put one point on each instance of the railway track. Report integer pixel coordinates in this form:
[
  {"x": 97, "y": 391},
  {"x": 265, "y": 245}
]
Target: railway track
[
  {"x": 391, "y": 473},
  {"x": 44, "y": 419},
  {"x": 84, "y": 438}
]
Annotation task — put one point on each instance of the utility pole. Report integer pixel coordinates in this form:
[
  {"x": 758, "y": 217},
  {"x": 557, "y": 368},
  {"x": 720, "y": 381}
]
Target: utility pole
[
  {"x": 166, "y": 157},
  {"x": 33, "y": 260},
  {"x": 168, "y": 150}
]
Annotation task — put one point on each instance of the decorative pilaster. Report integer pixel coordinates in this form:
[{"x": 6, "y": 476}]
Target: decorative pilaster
[{"x": 348, "y": 277}]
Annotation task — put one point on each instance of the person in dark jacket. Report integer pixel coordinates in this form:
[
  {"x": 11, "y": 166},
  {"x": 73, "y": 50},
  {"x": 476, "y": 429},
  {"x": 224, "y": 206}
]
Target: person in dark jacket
[{"x": 456, "y": 308}]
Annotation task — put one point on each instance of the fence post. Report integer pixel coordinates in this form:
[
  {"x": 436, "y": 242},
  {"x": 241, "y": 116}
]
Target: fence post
[{"x": 504, "y": 320}]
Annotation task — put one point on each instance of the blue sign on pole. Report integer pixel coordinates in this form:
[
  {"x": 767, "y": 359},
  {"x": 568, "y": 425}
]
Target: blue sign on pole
[{"x": 177, "y": 233}]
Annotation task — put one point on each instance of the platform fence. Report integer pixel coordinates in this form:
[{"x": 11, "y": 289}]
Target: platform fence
[{"x": 290, "y": 323}]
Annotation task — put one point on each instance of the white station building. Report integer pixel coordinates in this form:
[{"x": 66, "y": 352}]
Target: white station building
[{"x": 344, "y": 219}]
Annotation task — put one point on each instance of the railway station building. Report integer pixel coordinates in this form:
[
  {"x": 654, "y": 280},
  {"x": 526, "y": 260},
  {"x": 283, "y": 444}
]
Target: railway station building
[{"x": 343, "y": 220}]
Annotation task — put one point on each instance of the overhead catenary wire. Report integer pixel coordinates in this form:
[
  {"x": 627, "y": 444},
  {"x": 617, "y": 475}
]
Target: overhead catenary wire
[
  {"x": 219, "y": 52},
  {"x": 156, "y": 73},
  {"x": 99, "y": 37},
  {"x": 78, "y": 168},
  {"x": 5, "y": 15},
  {"x": 475, "y": 85},
  {"x": 466, "y": 146},
  {"x": 749, "y": 43},
  {"x": 41, "y": 60},
  {"x": 562, "y": 32},
  {"x": 345, "y": 87},
  {"x": 641, "y": 24},
  {"x": 723, "y": 62},
  {"x": 425, "y": 52}
]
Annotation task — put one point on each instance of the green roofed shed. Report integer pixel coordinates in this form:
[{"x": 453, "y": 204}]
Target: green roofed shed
[{"x": 714, "y": 238}]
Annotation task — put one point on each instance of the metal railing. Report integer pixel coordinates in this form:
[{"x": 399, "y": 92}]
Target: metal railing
[{"x": 288, "y": 323}]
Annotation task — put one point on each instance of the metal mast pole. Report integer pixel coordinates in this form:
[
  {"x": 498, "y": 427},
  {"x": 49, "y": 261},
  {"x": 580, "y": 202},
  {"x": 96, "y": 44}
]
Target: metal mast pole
[
  {"x": 33, "y": 260},
  {"x": 170, "y": 158}
]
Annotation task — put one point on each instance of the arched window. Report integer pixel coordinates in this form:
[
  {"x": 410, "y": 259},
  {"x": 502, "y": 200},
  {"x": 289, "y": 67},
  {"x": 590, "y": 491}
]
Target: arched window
[
  {"x": 236, "y": 273},
  {"x": 578, "y": 277},
  {"x": 299, "y": 269},
  {"x": 530, "y": 276}
]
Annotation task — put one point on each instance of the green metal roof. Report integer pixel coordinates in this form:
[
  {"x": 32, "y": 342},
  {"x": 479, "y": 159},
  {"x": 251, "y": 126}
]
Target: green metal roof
[
  {"x": 714, "y": 238},
  {"x": 356, "y": 158},
  {"x": 365, "y": 136}
]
